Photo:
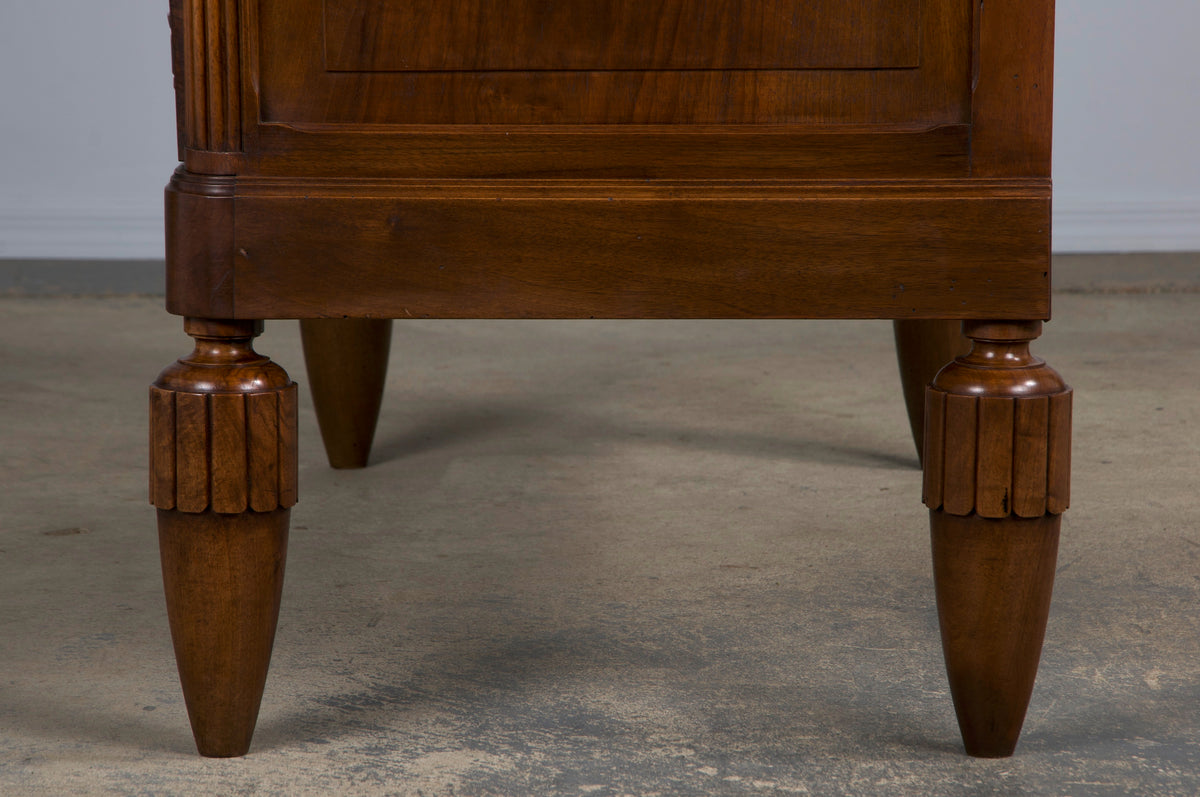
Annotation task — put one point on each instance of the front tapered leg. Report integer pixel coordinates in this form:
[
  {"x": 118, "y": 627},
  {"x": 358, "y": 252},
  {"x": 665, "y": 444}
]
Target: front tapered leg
[
  {"x": 223, "y": 477},
  {"x": 347, "y": 360},
  {"x": 997, "y": 480}
]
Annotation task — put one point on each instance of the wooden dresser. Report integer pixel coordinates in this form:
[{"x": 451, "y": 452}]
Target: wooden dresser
[{"x": 348, "y": 162}]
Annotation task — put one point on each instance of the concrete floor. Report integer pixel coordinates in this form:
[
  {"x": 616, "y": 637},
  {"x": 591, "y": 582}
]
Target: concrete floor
[{"x": 597, "y": 558}]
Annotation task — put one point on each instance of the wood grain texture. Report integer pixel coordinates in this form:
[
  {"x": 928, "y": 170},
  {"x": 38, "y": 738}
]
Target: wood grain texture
[
  {"x": 1058, "y": 455},
  {"x": 209, "y": 53},
  {"x": 199, "y": 234},
  {"x": 163, "y": 477},
  {"x": 193, "y": 464},
  {"x": 575, "y": 35},
  {"x": 621, "y": 251},
  {"x": 289, "y": 447},
  {"x": 1031, "y": 445},
  {"x": 262, "y": 412},
  {"x": 1002, "y": 440},
  {"x": 1012, "y": 101},
  {"x": 959, "y": 456},
  {"x": 228, "y": 449},
  {"x": 662, "y": 158},
  {"x": 230, "y": 446},
  {"x": 223, "y": 474},
  {"x": 178, "y": 72},
  {"x": 630, "y": 152},
  {"x": 223, "y": 577},
  {"x": 933, "y": 440},
  {"x": 293, "y": 86},
  {"x": 993, "y": 579},
  {"x": 222, "y": 422},
  {"x": 347, "y": 362},
  {"x": 994, "y": 457}
]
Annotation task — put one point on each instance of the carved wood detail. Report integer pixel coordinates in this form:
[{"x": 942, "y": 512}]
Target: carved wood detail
[
  {"x": 998, "y": 429},
  {"x": 207, "y": 61},
  {"x": 223, "y": 427},
  {"x": 175, "y": 20}
]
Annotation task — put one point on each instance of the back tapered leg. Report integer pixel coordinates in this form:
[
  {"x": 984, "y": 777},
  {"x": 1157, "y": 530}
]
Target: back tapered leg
[
  {"x": 347, "y": 360},
  {"x": 922, "y": 348}
]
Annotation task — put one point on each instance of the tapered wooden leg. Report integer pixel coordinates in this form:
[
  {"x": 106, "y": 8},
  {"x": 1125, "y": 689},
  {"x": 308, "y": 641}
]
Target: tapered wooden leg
[
  {"x": 997, "y": 480},
  {"x": 223, "y": 477},
  {"x": 993, "y": 580},
  {"x": 347, "y": 362},
  {"x": 922, "y": 348},
  {"x": 223, "y": 576}
]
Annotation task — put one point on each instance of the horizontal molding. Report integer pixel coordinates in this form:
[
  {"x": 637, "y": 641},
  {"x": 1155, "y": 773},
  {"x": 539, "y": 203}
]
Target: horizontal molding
[
  {"x": 1083, "y": 225},
  {"x": 122, "y": 230}
]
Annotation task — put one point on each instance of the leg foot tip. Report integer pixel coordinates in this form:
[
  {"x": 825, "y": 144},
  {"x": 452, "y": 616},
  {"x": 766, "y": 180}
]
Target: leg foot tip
[
  {"x": 223, "y": 748},
  {"x": 353, "y": 462},
  {"x": 990, "y": 749}
]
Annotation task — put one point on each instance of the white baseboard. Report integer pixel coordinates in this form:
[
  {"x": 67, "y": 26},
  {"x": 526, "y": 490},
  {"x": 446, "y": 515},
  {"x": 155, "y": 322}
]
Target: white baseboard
[
  {"x": 130, "y": 232},
  {"x": 117, "y": 231},
  {"x": 1082, "y": 225}
]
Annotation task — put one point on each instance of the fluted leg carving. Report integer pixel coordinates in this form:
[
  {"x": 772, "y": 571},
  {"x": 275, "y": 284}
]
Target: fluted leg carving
[
  {"x": 223, "y": 478},
  {"x": 997, "y": 479},
  {"x": 347, "y": 360}
]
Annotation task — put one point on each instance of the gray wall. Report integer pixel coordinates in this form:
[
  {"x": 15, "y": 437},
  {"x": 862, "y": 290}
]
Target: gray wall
[{"x": 87, "y": 127}]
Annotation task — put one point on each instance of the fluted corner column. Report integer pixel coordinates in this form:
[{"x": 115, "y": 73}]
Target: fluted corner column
[
  {"x": 997, "y": 480},
  {"x": 223, "y": 478}
]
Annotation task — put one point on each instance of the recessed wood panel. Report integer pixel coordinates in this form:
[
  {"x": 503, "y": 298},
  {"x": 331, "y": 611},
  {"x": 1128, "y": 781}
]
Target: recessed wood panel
[
  {"x": 902, "y": 63},
  {"x": 567, "y": 35}
]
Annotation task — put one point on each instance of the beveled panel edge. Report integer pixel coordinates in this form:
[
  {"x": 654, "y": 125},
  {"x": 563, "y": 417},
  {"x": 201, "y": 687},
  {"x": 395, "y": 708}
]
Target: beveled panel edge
[
  {"x": 662, "y": 190},
  {"x": 599, "y": 152}
]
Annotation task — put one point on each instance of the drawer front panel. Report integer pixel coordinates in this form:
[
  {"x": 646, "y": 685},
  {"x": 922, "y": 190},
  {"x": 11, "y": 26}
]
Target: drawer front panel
[{"x": 604, "y": 35}]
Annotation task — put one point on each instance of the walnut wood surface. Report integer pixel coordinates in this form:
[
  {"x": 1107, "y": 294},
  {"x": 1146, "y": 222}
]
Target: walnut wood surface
[
  {"x": 199, "y": 222},
  {"x": 638, "y": 77},
  {"x": 922, "y": 348},
  {"x": 605, "y": 35},
  {"x": 390, "y": 249},
  {"x": 347, "y": 361},
  {"x": 1012, "y": 104},
  {"x": 223, "y": 473},
  {"x": 997, "y": 453},
  {"x": 993, "y": 580},
  {"x": 998, "y": 426},
  {"x": 208, "y": 60},
  {"x": 223, "y": 577},
  {"x": 665, "y": 158},
  {"x": 598, "y": 153},
  {"x": 223, "y": 426}
]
